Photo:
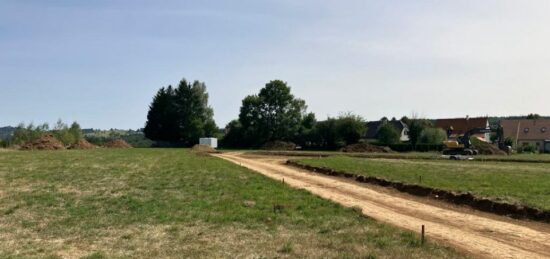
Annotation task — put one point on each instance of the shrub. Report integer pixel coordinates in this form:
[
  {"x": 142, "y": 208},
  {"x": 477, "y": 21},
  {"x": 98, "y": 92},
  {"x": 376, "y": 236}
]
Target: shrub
[
  {"x": 388, "y": 134},
  {"x": 432, "y": 136}
]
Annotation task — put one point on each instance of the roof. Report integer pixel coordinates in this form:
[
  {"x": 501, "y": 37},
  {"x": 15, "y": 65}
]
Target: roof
[
  {"x": 524, "y": 129},
  {"x": 462, "y": 125},
  {"x": 374, "y": 126}
]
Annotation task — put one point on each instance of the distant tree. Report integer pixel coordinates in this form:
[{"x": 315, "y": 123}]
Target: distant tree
[
  {"x": 432, "y": 136},
  {"x": 273, "y": 114},
  {"x": 180, "y": 116},
  {"x": 406, "y": 120},
  {"x": 62, "y": 133},
  {"x": 327, "y": 132},
  {"x": 351, "y": 128},
  {"x": 306, "y": 135},
  {"x": 76, "y": 131},
  {"x": 533, "y": 116},
  {"x": 162, "y": 117},
  {"x": 388, "y": 134},
  {"x": 233, "y": 135},
  {"x": 416, "y": 126},
  {"x": 24, "y": 134}
]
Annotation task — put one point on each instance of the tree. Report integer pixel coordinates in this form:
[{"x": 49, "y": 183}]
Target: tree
[
  {"x": 432, "y": 136},
  {"x": 533, "y": 116},
  {"x": 273, "y": 114},
  {"x": 180, "y": 116},
  {"x": 306, "y": 133},
  {"x": 161, "y": 119},
  {"x": 416, "y": 126},
  {"x": 350, "y": 128},
  {"x": 327, "y": 133},
  {"x": 388, "y": 134}
]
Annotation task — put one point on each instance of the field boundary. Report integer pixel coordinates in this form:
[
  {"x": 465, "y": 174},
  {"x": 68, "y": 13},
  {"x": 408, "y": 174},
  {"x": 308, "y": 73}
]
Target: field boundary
[
  {"x": 503, "y": 159},
  {"x": 458, "y": 198}
]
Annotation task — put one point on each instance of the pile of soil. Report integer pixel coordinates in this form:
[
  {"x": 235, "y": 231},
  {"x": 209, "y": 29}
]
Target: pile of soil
[
  {"x": 45, "y": 142},
  {"x": 279, "y": 145},
  {"x": 203, "y": 149},
  {"x": 485, "y": 148},
  {"x": 83, "y": 144},
  {"x": 366, "y": 148},
  {"x": 118, "y": 143}
]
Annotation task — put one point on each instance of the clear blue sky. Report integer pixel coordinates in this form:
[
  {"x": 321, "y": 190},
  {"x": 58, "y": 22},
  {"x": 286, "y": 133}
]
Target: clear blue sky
[{"x": 100, "y": 62}]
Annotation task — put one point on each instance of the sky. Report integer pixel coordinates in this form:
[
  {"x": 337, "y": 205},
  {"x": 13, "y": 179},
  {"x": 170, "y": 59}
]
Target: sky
[{"x": 100, "y": 62}]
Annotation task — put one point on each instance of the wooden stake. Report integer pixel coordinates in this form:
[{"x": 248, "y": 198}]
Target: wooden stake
[{"x": 422, "y": 240}]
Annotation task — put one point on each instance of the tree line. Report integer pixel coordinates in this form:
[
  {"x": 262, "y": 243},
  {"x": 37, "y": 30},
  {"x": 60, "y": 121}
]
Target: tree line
[
  {"x": 180, "y": 116},
  {"x": 67, "y": 134}
]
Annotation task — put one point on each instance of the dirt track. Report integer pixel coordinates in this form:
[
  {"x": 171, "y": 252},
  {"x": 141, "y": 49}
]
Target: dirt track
[{"x": 474, "y": 233}]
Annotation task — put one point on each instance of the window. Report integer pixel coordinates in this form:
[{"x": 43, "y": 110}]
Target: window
[
  {"x": 543, "y": 129},
  {"x": 526, "y": 130}
]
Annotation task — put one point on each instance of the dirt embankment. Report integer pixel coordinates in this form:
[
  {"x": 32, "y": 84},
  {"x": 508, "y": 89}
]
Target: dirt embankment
[{"x": 475, "y": 233}]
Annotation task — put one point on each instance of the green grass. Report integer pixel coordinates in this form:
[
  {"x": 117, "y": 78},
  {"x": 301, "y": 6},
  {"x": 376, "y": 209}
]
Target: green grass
[
  {"x": 534, "y": 158},
  {"x": 150, "y": 203},
  {"x": 522, "y": 183}
]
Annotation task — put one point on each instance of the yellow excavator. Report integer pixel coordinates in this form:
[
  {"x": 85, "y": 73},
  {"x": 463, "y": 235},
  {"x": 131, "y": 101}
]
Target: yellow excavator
[{"x": 461, "y": 145}]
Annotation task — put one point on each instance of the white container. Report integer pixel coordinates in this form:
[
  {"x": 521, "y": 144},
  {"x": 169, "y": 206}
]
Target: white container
[{"x": 211, "y": 142}]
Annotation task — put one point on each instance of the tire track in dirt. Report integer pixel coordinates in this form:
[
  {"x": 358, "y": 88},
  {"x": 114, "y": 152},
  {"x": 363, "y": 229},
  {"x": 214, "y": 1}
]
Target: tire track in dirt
[{"x": 474, "y": 234}]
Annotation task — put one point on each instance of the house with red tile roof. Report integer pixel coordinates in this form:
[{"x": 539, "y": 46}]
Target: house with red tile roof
[{"x": 525, "y": 132}]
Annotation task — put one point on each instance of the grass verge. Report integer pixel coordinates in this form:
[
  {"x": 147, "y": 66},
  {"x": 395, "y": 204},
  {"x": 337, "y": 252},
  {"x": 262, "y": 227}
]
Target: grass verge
[{"x": 519, "y": 183}]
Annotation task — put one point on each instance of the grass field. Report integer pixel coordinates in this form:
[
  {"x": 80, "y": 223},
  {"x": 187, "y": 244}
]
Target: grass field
[
  {"x": 151, "y": 203},
  {"x": 522, "y": 183},
  {"x": 531, "y": 158}
]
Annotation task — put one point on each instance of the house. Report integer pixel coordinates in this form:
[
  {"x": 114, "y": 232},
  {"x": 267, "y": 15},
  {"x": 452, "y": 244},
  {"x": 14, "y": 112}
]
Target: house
[
  {"x": 374, "y": 126},
  {"x": 525, "y": 132},
  {"x": 459, "y": 126}
]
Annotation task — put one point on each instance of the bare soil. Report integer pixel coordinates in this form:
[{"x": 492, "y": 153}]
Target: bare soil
[
  {"x": 475, "y": 233},
  {"x": 45, "y": 142},
  {"x": 83, "y": 144},
  {"x": 118, "y": 143},
  {"x": 366, "y": 148}
]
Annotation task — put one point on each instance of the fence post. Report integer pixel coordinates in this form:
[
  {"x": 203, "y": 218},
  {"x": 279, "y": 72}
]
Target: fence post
[{"x": 422, "y": 240}]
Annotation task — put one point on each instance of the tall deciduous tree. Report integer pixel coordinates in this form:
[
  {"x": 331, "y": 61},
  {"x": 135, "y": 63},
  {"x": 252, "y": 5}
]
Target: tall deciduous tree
[
  {"x": 350, "y": 127},
  {"x": 180, "y": 116},
  {"x": 273, "y": 114}
]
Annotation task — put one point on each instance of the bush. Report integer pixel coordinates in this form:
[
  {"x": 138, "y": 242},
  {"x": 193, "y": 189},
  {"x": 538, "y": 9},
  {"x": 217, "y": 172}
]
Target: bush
[
  {"x": 527, "y": 149},
  {"x": 388, "y": 134},
  {"x": 432, "y": 136}
]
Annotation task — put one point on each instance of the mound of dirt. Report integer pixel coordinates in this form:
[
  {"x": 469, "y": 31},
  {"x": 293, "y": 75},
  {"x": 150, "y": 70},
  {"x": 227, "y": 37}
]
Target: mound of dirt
[
  {"x": 82, "y": 144},
  {"x": 204, "y": 149},
  {"x": 45, "y": 142},
  {"x": 118, "y": 143},
  {"x": 485, "y": 148},
  {"x": 279, "y": 145},
  {"x": 366, "y": 148}
]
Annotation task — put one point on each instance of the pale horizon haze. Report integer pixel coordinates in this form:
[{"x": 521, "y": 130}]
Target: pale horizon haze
[{"x": 101, "y": 62}]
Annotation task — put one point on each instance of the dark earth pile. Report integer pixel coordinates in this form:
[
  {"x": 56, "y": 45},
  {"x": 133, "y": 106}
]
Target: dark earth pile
[
  {"x": 366, "y": 148},
  {"x": 485, "y": 148},
  {"x": 279, "y": 145}
]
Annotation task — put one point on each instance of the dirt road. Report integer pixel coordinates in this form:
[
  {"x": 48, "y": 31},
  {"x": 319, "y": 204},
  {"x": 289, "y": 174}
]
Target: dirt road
[{"x": 474, "y": 233}]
